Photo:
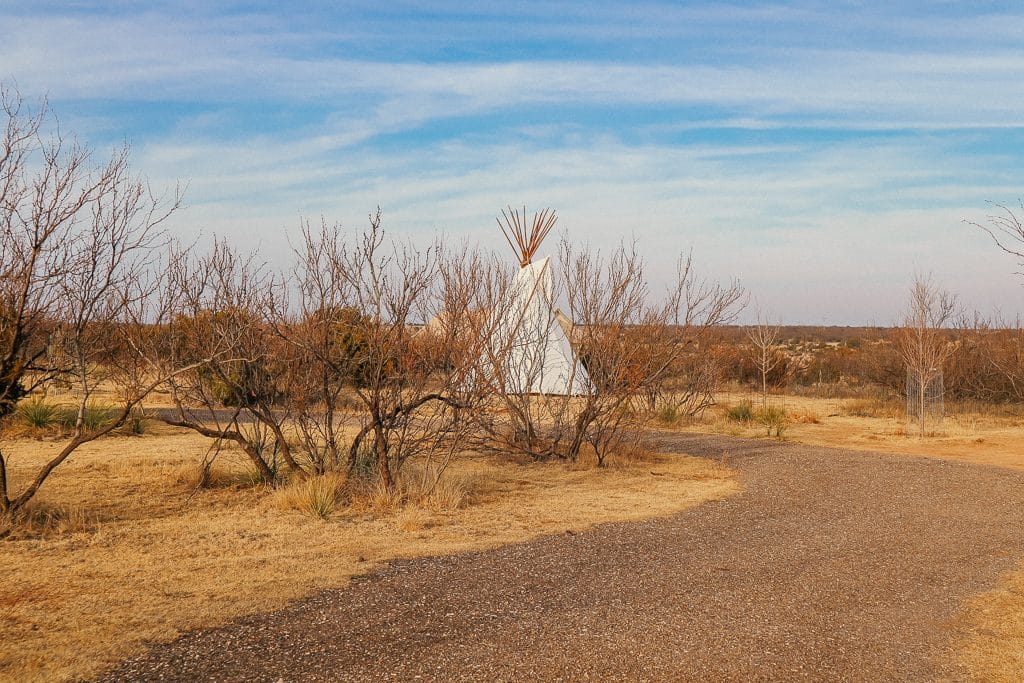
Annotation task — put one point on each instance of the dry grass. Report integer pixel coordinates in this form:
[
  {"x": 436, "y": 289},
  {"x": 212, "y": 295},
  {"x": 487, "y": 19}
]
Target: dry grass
[
  {"x": 975, "y": 433},
  {"x": 138, "y": 551},
  {"x": 992, "y": 623},
  {"x": 40, "y": 518},
  {"x": 317, "y": 497}
]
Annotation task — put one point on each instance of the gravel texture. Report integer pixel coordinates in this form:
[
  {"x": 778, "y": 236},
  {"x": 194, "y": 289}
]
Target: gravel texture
[{"x": 831, "y": 565}]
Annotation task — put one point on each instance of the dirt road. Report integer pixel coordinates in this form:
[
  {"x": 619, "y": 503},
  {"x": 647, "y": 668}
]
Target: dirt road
[{"x": 830, "y": 565}]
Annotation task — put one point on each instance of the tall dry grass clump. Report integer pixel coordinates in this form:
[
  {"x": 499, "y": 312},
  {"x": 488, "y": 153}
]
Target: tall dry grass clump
[
  {"x": 416, "y": 486},
  {"x": 210, "y": 474},
  {"x": 44, "y": 519},
  {"x": 317, "y": 496},
  {"x": 430, "y": 488},
  {"x": 422, "y": 487}
]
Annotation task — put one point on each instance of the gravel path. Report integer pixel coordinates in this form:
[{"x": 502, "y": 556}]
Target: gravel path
[{"x": 830, "y": 565}]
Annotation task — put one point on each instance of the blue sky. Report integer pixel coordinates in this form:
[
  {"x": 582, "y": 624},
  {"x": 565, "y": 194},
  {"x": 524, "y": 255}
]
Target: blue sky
[{"x": 821, "y": 152}]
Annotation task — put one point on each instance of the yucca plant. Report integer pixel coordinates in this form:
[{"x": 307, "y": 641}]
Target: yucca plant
[
  {"x": 743, "y": 412},
  {"x": 669, "y": 414},
  {"x": 38, "y": 414},
  {"x": 138, "y": 422},
  {"x": 96, "y": 415},
  {"x": 774, "y": 420}
]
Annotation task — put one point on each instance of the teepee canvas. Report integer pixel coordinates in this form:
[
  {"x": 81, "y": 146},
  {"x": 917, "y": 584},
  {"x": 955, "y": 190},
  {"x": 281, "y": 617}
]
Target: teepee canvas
[{"x": 529, "y": 342}]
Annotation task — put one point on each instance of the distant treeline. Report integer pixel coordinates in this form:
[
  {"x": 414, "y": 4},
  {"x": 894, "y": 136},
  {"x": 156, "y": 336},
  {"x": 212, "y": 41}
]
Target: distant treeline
[{"x": 986, "y": 363}]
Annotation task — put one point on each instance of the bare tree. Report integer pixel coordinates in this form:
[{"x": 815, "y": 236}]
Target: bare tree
[
  {"x": 221, "y": 302},
  {"x": 76, "y": 268},
  {"x": 763, "y": 338},
  {"x": 922, "y": 340},
  {"x": 408, "y": 405},
  {"x": 1006, "y": 230},
  {"x": 690, "y": 374}
]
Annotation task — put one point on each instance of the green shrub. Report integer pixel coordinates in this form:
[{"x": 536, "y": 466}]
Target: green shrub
[
  {"x": 97, "y": 415},
  {"x": 669, "y": 414},
  {"x": 137, "y": 424},
  {"x": 774, "y": 420},
  {"x": 365, "y": 464},
  {"x": 743, "y": 412},
  {"x": 241, "y": 384},
  {"x": 38, "y": 414}
]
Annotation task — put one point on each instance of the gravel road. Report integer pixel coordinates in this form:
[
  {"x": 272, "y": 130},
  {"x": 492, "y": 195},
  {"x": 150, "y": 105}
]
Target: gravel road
[{"x": 831, "y": 565}]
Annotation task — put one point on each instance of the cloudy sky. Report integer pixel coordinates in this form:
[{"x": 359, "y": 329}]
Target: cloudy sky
[{"x": 821, "y": 152}]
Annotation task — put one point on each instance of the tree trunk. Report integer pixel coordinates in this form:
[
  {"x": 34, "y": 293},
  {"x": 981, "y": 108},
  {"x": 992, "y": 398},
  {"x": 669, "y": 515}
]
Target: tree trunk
[
  {"x": 920, "y": 399},
  {"x": 764, "y": 387},
  {"x": 380, "y": 446},
  {"x": 586, "y": 417},
  {"x": 5, "y": 501}
]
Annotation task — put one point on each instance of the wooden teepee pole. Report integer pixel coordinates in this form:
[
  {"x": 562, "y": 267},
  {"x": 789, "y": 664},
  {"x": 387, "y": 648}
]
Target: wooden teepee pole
[{"x": 525, "y": 243}]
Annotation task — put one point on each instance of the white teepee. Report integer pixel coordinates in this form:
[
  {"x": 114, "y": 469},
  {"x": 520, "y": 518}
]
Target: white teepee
[{"x": 528, "y": 342}]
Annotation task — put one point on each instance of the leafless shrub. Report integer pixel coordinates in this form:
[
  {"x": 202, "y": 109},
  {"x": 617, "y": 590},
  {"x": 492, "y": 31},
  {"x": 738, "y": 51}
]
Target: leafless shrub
[
  {"x": 987, "y": 363},
  {"x": 632, "y": 341},
  {"x": 695, "y": 310},
  {"x": 77, "y": 276},
  {"x": 628, "y": 342},
  {"x": 409, "y": 399},
  {"x": 221, "y": 302}
]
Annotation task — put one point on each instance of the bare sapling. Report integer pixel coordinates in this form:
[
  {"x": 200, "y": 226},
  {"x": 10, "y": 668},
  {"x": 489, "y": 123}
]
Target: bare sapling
[
  {"x": 764, "y": 338},
  {"x": 923, "y": 341}
]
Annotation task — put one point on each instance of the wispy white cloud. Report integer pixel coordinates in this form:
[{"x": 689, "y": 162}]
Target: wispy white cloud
[
  {"x": 152, "y": 57},
  {"x": 791, "y": 146},
  {"x": 855, "y": 220}
]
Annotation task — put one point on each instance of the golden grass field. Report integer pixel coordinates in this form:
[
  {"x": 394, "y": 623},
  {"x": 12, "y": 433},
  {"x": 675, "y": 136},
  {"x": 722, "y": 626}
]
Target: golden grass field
[
  {"x": 133, "y": 553},
  {"x": 127, "y": 550}
]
